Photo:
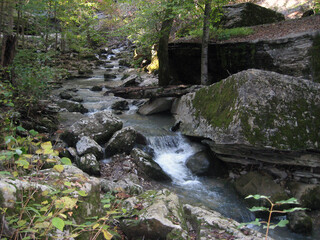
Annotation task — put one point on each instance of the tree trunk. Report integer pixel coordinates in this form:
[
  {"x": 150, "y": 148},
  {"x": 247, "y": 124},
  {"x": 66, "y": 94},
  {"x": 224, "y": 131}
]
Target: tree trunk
[
  {"x": 205, "y": 43},
  {"x": 163, "y": 54}
]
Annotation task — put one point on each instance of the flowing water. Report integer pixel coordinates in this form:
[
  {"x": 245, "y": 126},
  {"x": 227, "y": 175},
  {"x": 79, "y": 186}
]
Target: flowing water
[{"x": 171, "y": 152}]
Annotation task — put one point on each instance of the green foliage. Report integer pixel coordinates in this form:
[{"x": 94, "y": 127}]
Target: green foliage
[
  {"x": 225, "y": 34},
  {"x": 268, "y": 225},
  {"x": 38, "y": 213},
  {"x": 32, "y": 74}
]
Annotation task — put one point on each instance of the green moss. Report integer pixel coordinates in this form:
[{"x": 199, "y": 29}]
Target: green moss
[
  {"x": 217, "y": 103},
  {"x": 292, "y": 128}
]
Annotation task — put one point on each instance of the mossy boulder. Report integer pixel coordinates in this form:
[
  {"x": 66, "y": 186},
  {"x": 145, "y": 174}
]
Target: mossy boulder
[
  {"x": 99, "y": 126},
  {"x": 248, "y": 14},
  {"x": 258, "y": 183},
  {"x": 256, "y": 115},
  {"x": 311, "y": 198},
  {"x": 121, "y": 142}
]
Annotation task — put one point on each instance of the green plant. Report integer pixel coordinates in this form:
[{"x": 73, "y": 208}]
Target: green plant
[
  {"x": 38, "y": 213},
  {"x": 271, "y": 210}
]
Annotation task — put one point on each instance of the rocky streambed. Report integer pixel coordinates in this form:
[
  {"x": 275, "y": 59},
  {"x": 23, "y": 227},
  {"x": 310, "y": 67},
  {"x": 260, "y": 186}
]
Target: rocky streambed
[{"x": 176, "y": 187}]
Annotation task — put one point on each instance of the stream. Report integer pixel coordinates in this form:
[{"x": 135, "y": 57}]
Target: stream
[{"x": 171, "y": 149}]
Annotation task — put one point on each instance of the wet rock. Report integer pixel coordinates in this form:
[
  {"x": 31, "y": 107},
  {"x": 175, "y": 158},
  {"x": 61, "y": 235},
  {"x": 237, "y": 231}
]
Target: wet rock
[
  {"x": 89, "y": 164},
  {"x": 253, "y": 116},
  {"x": 159, "y": 217},
  {"x": 311, "y": 198},
  {"x": 120, "y": 105},
  {"x": 99, "y": 126},
  {"x": 66, "y": 95},
  {"x": 156, "y": 106},
  {"x": 72, "y": 106},
  {"x": 199, "y": 163},
  {"x": 248, "y": 14},
  {"x": 146, "y": 165},
  {"x": 121, "y": 142},
  {"x": 77, "y": 99},
  {"x": 87, "y": 145},
  {"x": 300, "y": 222},
  {"x": 96, "y": 89},
  {"x": 109, "y": 65},
  {"x": 85, "y": 72},
  {"x": 257, "y": 183},
  {"x": 109, "y": 76}
]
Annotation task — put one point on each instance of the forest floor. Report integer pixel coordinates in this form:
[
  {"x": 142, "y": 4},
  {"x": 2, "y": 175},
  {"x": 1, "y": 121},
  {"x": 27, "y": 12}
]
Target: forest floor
[{"x": 271, "y": 31}]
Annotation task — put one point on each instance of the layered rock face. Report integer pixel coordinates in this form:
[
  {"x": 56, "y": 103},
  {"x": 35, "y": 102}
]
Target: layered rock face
[
  {"x": 296, "y": 55},
  {"x": 255, "y": 116}
]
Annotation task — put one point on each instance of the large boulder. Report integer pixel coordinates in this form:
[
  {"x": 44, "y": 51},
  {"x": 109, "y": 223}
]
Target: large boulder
[
  {"x": 256, "y": 115},
  {"x": 156, "y": 106},
  {"x": 199, "y": 163},
  {"x": 300, "y": 222},
  {"x": 87, "y": 145},
  {"x": 121, "y": 142},
  {"x": 159, "y": 216},
  {"x": 147, "y": 166},
  {"x": 248, "y": 14},
  {"x": 257, "y": 183},
  {"x": 99, "y": 126},
  {"x": 212, "y": 225}
]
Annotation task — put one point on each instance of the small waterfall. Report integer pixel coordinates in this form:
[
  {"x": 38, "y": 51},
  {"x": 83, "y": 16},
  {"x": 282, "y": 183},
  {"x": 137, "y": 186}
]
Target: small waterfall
[{"x": 171, "y": 153}]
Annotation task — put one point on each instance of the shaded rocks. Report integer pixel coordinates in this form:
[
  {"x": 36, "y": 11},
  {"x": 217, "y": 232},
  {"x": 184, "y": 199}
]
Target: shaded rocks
[
  {"x": 199, "y": 163},
  {"x": 156, "y": 106},
  {"x": 147, "y": 166},
  {"x": 99, "y": 126},
  {"x": 121, "y": 142},
  {"x": 72, "y": 106},
  {"x": 300, "y": 222},
  {"x": 311, "y": 198},
  {"x": 256, "y": 115},
  {"x": 248, "y": 14},
  {"x": 256, "y": 183}
]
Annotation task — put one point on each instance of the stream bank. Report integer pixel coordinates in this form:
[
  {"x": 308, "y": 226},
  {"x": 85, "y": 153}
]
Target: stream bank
[{"x": 155, "y": 139}]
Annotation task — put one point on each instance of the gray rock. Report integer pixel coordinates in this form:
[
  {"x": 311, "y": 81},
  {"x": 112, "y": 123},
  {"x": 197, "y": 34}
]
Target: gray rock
[
  {"x": 89, "y": 164},
  {"x": 311, "y": 198},
  {"x": 255, "y": 116},
  {"x": 96, "y": 88},
  {"x": 212, "y": 225},
  {"x": 156, "y": 106},
  {"x": 199, "y": 163},
  {"x": 99, "y": 126},
  {"x": 121, "y": 142},
  {"x": 120, "y": 105},
  {"x": 87, "y": 145},
  {"x": 248, "y": 14},
  {"x": 300, "y": 222},
  {"x": 147, "y": 166},
  {"x": 109, "y": 76},
  {"x": 129, "y": 184},
  {"x": 72, "y": 106},
  {"x": 160, "y": 216},
  {"x": 255, "y": 183}
]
